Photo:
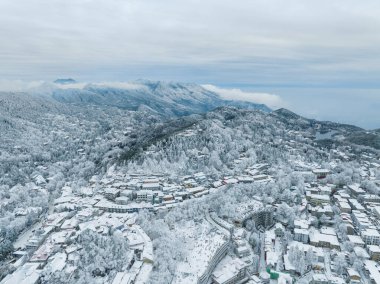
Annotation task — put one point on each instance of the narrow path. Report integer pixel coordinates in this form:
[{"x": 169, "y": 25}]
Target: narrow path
[
  {"x": 262, "y": 266},
  {"x": 327, "y": 263}
]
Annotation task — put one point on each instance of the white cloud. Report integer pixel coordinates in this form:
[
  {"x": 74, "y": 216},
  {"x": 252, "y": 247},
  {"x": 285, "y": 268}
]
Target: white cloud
[
  {"x": 69, "y": 86},
  {"x": 18, "y": 85},
  {"x": 271, "y": 100}
]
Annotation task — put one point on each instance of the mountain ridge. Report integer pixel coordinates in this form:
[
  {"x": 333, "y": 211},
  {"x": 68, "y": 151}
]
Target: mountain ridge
[{"x": 166, "y": 98}]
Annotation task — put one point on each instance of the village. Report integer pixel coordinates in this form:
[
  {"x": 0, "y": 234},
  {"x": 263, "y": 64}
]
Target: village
[{"x": 312, "y": 248}]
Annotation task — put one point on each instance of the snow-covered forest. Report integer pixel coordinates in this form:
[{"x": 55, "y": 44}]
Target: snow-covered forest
[{"x": 95, "y": 193}]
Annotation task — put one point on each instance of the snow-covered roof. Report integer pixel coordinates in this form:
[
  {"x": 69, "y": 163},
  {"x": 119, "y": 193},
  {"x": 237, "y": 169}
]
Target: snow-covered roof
[
  {"x": 370, "y": 232},
  {"x": 319, "y": 237},
  {"x": 373, "y": 249},
  {"x": 321, "y": 171},
  {"x": 228, "y": 268},
  {"x": 26, "y": 274},
  {"x": 373, "y": 270},
  {"x": 355, "y": 239}
]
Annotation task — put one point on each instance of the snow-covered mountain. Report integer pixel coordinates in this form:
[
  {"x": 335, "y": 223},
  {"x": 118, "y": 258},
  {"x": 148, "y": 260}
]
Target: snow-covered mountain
[
  {"x": 165, "y": 98},
  {"x": 73, "y": 140},
  {"x": 65, "y": 81}
]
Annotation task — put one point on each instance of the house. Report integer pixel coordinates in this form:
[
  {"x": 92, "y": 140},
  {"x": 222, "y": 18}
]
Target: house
[
  {"x": 374, "y": 252},
  {"x": 42, "y": 254},
  {"x": 324, "y": 240},
  {"x": 355, "y": 205},
  {"x": 355, "y": 190},
  {"x": 322, "y": 210},
  {"x": 336, "y": 280},
  {"x": 319, "y": 279},
  {"x": 317, "y": 199},
  {"x": 344, "y": 207},
  {"x": 151, "y": 186},
  {"x": 260, "y": 177},
  {"x": 194, "y": 190},
  {"x": 301, "y": 224},
  {"x": 111, "y": 193},
  {"x": 242, "y": 251},
  {"x": 321, "y": 173},
  {"x": 217, "y": 184},
  {"x": 356, "y": 240},
  {"x": 361, "y": 253},
  {"x": 245, "y": 179},
  {"x": 229, "y": 270},
  {"x": 354, "y": 276},
  {"x": 361, "y": 220},
  {"x": 168, "y": 197},
  {"x": 144, "y": 195},
  {"x": 325, "y": 190},
  {"x": 372, "y": 271},
  {"x": 373, "y": 198},
  {"x": 123, "y": 200}
]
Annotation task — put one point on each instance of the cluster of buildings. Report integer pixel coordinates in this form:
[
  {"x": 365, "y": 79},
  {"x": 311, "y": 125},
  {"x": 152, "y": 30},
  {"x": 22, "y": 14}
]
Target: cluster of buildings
[
  {"x": 335, "y": 222},
  {"x": 129, "y": 193},
  {"x": 332, "y": 222},
  {"x": 111, "y": 203},
  {"x": 52, "y": 245}
]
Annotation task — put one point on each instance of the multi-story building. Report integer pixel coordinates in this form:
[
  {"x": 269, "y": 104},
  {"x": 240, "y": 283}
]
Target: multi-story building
[
  {"x": 355, "y": 205},
  {"x": 344, "y": 207},
  {"x": 324, "y": 240},
  {"x": 355, "y": 190},
  {"x": 319, "y": 279},
  {"x": 353, "y": 276},
  {"x": 144, "y": 195},
  {"x": 374, "y": 252},
  {"x": 229, "y": 271},
  {"x": 301, "y": 235},
  {"x": 319, "y": 199},
  {"x": 151, "y": 186},
  {"x": 321, "y": 173},
  {"x": 356, "y": 240},
  {"x": 111, "y": 193},
  {"x": 360, "y": 220},
  {"x": 370, "y": 237},
  {"x": 264, "y": 217},
  {"x": 373, "y": 198},
  {"x": 322, "y": 210}
]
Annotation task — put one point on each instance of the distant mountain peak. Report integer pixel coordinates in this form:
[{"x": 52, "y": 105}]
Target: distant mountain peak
[
  {"x": 64, "y": 81},
  {"x": 166, "y": 98}
]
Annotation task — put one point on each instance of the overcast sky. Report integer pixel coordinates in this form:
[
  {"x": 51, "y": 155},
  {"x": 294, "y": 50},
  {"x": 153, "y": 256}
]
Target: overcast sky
[{"x": 277, "y": 46}]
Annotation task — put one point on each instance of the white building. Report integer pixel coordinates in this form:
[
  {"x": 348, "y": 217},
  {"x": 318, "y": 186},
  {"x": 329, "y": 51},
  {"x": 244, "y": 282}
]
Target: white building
[
  {"x": 144, "y": 195},
  {"x": 151, "y": 186},
  {"x": 370, "y": 237},
  {"x": 301, "y": 235},
  {"x": 356, "y": 240},
  {"x": 229, "y": 270},
  {"x": 321, "y": 173}
]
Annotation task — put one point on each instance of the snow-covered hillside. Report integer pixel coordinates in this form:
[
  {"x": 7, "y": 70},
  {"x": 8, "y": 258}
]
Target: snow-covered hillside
[{"x": 124, "y": 174}]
